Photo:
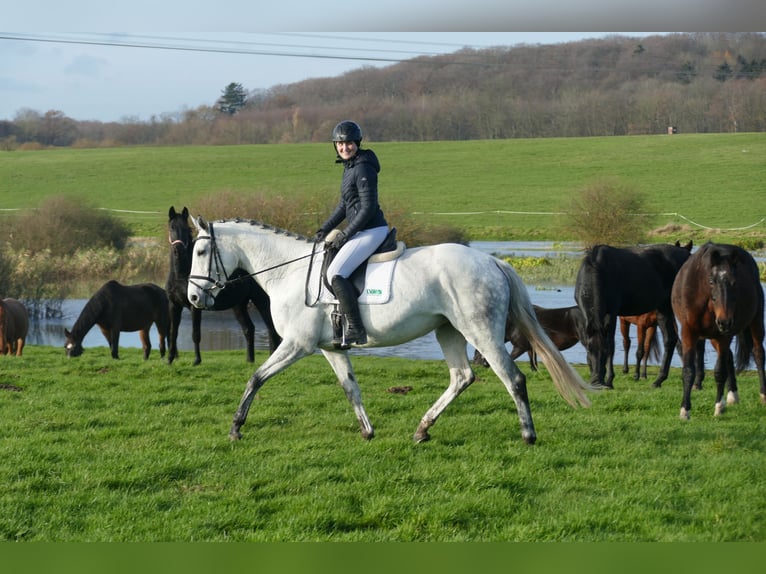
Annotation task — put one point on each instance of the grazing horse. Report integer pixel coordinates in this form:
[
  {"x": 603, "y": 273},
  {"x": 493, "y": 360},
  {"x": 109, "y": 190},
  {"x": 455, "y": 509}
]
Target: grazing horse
[
  {"x": 236, "y": 296},
  {"x": 646, "y": 341},
  {"x": 717, "y": 295},
  {"x": 115, "y": 308},
  {"x": 14, "y": 326},
  {"x": 615, "y": 281},
  {"x": 466, "y": 296},
  {"x": 561, "y": 324}
]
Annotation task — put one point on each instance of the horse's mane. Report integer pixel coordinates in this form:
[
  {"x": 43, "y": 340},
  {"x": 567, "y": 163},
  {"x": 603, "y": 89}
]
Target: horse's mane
[{"x": 265, "y": 226}]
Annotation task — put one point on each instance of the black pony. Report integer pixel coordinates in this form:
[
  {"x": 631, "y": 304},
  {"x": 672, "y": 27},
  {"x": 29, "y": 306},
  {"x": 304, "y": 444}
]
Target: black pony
[
  {"x": 615, "y": 281},
  {"x": 717, "y": 295},
  {"x": 115, "y": 308},
  {"x": 236, "y": 295}
]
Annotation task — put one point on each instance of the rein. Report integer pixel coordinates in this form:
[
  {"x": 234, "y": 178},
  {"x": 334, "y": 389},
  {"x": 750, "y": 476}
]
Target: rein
[{"x": 215, "y": 256}]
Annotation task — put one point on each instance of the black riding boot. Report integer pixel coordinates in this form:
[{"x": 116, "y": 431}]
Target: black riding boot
[{"x": 349, "y": 306}]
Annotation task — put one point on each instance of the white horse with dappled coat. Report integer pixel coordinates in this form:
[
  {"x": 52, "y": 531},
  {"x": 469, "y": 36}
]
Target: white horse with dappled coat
[{"x": 462, "y": 294}]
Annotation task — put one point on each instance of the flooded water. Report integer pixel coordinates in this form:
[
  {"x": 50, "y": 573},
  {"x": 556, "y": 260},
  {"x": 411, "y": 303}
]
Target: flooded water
[{"x": 220, "y": 331}]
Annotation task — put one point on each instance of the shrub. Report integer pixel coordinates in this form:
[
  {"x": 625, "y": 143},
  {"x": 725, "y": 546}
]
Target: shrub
[
  {"x": 609, "y": 212},
  {"x": 64, "y": 225}
]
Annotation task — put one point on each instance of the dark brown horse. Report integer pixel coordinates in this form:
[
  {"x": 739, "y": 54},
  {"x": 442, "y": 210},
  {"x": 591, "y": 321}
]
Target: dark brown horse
[
  {"x": 615, "y": 281},
  {"x": 14, "y": 326},
  {"x": 562, "y": 325},
  {"x": 646, "y": 341},
  {"x": 717, "y": 295},
  {"x": 115, "y": 308},
  {"x": 235, "y": 296}
]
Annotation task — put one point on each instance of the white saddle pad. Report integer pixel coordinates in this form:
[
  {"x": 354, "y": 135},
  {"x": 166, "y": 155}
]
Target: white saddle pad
[{"x": 377, "y": 285}]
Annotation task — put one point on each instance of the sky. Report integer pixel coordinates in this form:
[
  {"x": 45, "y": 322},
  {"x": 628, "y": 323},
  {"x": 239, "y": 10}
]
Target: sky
[{"x": 119, "y": 60}]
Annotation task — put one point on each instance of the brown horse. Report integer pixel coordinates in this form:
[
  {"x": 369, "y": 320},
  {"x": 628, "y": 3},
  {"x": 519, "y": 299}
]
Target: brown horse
[
  {"x": 717, "y": 295},
  {"x": 14, "y": 326},
  {"x": 115, "y": 308},
  {"x": 646, "y": 341},
  {"x": 562, "y": 325}
]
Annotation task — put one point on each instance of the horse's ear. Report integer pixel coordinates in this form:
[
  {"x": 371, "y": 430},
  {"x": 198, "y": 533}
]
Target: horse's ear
[
  {"x": 199, "y": 222},
  {"x": 172, "y": 212},
  {"x": 67, "y": 334},
  {"x": 185, "y": 213}
]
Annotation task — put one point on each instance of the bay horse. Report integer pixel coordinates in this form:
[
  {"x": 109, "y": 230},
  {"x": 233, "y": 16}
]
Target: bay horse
[
  {"x": 717, "y": 295},
  {"x": 646, "y": 341},
  {"x": 115, "y": 308},
  {"x": 561, "y": 324},
  {"x": 462, "y": 294},
  {"x": 236, "y": 296},
  {"x": 14, "y": 326},
  {"x": 614, "y": 281}
]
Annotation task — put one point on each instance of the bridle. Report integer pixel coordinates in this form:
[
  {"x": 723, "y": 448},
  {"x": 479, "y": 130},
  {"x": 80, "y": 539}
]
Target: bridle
[{"x": 220, "y": 271}]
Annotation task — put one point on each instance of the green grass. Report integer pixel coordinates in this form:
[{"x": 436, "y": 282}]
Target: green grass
[
  {"x": 712, "y": 180},
  {"x": 99, "y": 450}
]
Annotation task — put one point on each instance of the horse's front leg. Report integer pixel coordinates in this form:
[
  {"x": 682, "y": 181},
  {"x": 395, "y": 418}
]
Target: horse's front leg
[
  {"x": 112, "y": 336},
  {"x": 700, "y": 366},
  {"x": 196, "y": 329},
  {"x": 285, "y": 355},
  {"x": 687, "y": 376},
  {"x": 341, "y": 364},
  {"x": 175, "y": 322},
  {"x": 723, "y": 373}
]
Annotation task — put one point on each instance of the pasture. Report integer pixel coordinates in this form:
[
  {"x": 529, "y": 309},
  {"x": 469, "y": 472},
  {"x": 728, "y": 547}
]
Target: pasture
[
  {"x": 94, "y": 449},
  {"x": 497, "y": 189}
]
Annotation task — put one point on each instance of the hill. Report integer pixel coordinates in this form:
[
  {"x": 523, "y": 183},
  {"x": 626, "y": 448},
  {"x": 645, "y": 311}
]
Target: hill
[{"x": 618, "y": 85}]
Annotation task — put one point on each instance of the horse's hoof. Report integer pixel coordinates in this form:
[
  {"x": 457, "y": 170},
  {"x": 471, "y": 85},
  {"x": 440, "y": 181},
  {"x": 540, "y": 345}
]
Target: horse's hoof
[
  {"x": 234, "y": 435},
  {"x": 684, "y": 416},
  {"x": 368, "y": 435},
  {"x": 763, "y": 399},
  {"x": 657, "y": 385},
  {"x": 422, "y": 436},
  {"x": 732, "y": 398},
  {"x": 530, "y": 438},
  {"x": 719, "y": 408}
]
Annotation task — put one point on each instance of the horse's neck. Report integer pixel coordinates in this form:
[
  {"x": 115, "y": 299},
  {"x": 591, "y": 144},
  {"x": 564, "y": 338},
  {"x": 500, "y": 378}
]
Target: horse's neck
[
  {"x": 180, "y": 266},
  {"x": 269, "y": 254},
  {"x": 88, "y": 317}
]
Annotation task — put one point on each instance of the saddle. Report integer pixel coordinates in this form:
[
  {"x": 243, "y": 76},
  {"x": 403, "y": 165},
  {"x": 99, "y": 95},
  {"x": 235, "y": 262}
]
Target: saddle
[{"x": 388, "y": 250}]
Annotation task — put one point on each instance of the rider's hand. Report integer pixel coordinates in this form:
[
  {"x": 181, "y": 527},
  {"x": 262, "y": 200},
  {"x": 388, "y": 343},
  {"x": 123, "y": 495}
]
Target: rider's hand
[
  {"x": 338, "y": 240},
  {"x": 319, "y": 236}
]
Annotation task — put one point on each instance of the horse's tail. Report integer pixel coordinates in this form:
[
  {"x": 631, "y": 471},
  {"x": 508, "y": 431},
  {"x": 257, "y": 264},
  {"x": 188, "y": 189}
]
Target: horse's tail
[
  {"x": 568, "y": 382},
  {"x": 744, "y": 349}
]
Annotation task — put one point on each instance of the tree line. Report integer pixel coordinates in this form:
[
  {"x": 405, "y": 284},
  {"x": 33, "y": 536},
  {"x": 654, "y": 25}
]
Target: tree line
[{"x": 618, "y": 85}]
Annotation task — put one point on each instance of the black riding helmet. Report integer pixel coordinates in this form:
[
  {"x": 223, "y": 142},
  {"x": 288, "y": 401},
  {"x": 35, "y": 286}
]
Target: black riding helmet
[{"x": 347, "y": 131}]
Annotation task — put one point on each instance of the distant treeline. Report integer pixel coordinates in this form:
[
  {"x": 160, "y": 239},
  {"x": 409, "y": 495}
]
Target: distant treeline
[{"x": 693, "y": 82}]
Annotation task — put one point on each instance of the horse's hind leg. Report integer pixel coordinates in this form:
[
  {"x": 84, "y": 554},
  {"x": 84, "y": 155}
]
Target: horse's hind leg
[
  {"x": 453, "y": 346},
  {"x": 341, "y": 364},
  {"x": 248, "y": 329},
  {"x": 146, "y": 343}
]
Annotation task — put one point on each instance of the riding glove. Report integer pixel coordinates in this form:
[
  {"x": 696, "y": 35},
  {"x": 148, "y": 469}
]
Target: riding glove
[
  {"x": 320, "y": 235},
  {"x": 338, "y": 240}
]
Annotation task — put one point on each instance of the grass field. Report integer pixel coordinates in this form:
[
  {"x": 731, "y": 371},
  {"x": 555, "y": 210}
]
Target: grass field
[
  {"x": 505, "y": 189},
  {"x": 99, "y": 450},
  {"x": 93, "y": 449}
]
